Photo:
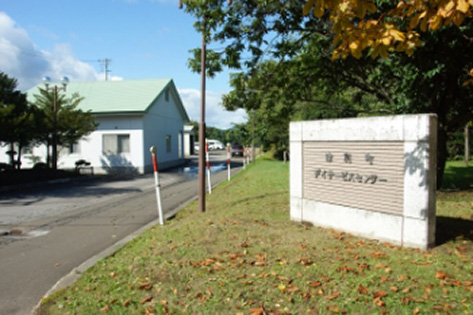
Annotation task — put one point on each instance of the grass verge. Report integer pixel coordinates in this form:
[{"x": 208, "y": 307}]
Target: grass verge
[
  {"x": 458, "y": 176},
  {"x": 244, "y": 256}
]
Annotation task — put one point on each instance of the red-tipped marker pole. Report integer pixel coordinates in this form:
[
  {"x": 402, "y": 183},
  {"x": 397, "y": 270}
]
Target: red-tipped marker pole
[
  {"x": 229, "y": 156},
  {"x": 153, "y": 151},
  {"x": 208, "y": 166}
]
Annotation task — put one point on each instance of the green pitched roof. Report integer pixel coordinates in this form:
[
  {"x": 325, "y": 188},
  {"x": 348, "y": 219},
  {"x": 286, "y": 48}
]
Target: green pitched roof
[{"x": 115, "y": 97}]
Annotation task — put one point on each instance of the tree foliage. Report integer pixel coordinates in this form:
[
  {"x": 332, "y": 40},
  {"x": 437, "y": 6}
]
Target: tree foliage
[
  {"x": 288, "y": 65},
  {"x": 364, "y": 24},
  {"x": 16, "y": 118},
  {"x": 72, "y": 123}
]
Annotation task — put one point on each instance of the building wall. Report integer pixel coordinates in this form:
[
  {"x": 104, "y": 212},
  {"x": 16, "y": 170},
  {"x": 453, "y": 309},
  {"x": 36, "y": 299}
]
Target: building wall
[
  {"x": 162, "y": 120},
  {"x": 91, "y": 148}
]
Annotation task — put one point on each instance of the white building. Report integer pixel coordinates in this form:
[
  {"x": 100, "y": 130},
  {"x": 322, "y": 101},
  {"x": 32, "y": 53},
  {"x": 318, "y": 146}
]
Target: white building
[{"x": 132, "y": 116}]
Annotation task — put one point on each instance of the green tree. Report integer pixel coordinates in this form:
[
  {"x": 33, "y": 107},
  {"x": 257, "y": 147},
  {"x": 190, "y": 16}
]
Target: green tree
[
  {"x": 432, "y": 80},
  {"x": 72, "y": 123},
  {"x": 16, "y": 118}
]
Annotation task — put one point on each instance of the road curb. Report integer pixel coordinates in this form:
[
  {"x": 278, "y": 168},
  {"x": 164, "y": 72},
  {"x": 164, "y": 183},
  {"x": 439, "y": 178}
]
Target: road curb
[{"x": 74, "y": 275}]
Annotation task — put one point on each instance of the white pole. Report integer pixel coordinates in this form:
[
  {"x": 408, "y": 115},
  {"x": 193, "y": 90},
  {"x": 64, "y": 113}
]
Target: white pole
[
  {"x": 208, "y": 166},
  {"x": 247, "y": 155},
  {"x": 153, "y": 151},
  {"x": 229, "y": 156},
  {"x": 244, "y": 158}
]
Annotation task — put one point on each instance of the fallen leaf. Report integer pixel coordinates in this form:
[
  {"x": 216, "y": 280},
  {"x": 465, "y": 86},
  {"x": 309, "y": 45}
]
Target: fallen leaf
[
  {"x": 315, "y": 284},
  {"x": 105, "y": 309},
  {"x": 380, "y": 266},
  {"x": 394, "y": 289},
  {"x": 145, "y": 286},
  {"x": 244, "y": 244},
  {"x": 257, "y": 311},
  {"x": 440, "y": 275},
  {"x": 405, "y": 301},
  {"x": 362, "y": 289},
  {"x": 146, "y": 299},
  {"x": 126, "y": 302},
  {"x": 377, "y": 301},
  {"x": 336, "y": 309},
  {"x": 333, "y": 296},
  {"x": 379, "y": 294}
]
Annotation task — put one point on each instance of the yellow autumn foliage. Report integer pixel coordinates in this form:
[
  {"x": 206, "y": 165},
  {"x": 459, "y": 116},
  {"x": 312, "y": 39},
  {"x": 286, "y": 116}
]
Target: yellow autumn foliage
[{"x": 355, "y": 31}]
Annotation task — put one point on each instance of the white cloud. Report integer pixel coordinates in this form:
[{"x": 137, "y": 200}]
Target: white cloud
[
  {"x": 21, "y": 59},
  {"x": 215, "y": 114},
  {"x": 101, "y": 77}
]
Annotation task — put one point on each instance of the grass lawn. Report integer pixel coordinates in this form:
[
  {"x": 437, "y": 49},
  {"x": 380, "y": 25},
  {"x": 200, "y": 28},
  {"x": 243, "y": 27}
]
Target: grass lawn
[
  {"x": 458, "y": 176},
  {"x": 244, "y": 256}
]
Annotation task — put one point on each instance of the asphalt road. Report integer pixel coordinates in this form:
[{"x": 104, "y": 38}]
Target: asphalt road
[{"x": 61, "y": 226}]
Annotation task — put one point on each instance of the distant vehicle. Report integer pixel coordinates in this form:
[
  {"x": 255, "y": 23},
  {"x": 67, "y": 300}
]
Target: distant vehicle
[
  {"x": 215, "y": 145},
  {"x": 237, "y": 150}
]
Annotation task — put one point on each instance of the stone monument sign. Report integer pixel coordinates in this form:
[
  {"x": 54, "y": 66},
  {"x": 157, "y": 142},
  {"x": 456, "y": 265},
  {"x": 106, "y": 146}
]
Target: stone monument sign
[{"x": 374, "y": 176}]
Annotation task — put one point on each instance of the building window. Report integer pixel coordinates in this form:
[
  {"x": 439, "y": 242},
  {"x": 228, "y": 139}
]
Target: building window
[
  {"x": 116, "y": 144},
  {"x": 74, "y": 148},
  {"x": 168, "y": 143}
]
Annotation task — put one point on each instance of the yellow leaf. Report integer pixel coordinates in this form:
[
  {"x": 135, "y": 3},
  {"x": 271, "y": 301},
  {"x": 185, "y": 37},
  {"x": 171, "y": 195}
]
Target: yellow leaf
[
  {"x": 383, "y": 52},
  {"x": 356, "y": 53},
  {"x": 308, "y": 5},
  {"x": 397, "y": 35},
  {"x": 463, "y": 6},
  {"x": 354, "y": 45},
  {"x": 386, "y": 40},
  {"x": 370, "y": 7},
  {"x": 450, "y": 5},
  {"x": 468, "y": 82},
  {"x": 319, "y": 9},
  {"x": 435, "y": 22},
  {"x": 344, "y": 7},
  {"x": 414, "y": 21},
  {"x": 470, "y": 2},
  {"x": 423, "y": 25},
  {"x": 458, "y": 18}
]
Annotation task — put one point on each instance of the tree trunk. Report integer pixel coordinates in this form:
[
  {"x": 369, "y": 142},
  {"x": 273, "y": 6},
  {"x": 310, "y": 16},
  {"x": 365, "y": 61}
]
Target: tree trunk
[
  {"x": 467, "y": 144},
  {"x": 48, "y": 156},
  {"x": 11, "y": 153},
  {"x": 441, "y": 155},
  {"x": 18, "y": 159}
]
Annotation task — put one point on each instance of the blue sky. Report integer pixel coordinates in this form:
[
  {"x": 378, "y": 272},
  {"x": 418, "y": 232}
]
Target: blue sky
[{"x": 143, "y": 38}]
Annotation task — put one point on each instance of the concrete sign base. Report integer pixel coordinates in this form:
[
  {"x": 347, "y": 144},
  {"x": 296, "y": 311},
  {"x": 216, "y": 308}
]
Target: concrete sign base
[{"x": 374, "y": 177}]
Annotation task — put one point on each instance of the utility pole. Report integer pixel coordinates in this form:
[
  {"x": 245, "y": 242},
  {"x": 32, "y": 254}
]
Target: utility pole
[
  {"x": 201, "y": 163},
  {"x": 105, "y": 62}
]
